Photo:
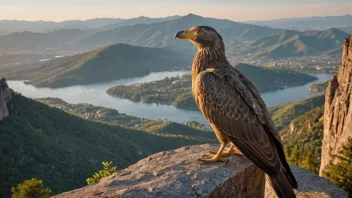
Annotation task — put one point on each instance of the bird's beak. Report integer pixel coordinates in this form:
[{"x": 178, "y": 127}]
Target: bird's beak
[{"x": 186, "y": 34}]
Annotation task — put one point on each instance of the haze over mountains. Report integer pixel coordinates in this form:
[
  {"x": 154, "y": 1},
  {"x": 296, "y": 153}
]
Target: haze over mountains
[
  {"x": 307, "y": 23},
  {"x": 295, "y": 43},
  {"x": 147, "y": 35},
  {"x": 240, "y": 38},
  {"x": 10, "y": 26},
  {"x": 347, "y": 29}
]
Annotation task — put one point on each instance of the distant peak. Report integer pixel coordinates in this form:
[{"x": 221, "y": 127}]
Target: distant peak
[
  {"x": 192, "y": 15},
  {"x": 143, "y": 17}
]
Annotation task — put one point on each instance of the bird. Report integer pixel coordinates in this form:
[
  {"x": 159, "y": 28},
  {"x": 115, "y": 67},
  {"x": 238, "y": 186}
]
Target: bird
[{"x": 235, "y": 111}]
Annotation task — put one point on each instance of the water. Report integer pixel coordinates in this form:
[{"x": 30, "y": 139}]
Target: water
[
  {"x": 95, "y": 94},
  {"x": 281, "y": 96}
]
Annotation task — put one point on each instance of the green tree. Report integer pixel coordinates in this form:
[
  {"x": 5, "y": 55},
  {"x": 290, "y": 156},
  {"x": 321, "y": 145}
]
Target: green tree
[
  {"x": 32, "y": 188},
  {"x": 341, "y": 172},
  {"x": 107, "y": 170}
]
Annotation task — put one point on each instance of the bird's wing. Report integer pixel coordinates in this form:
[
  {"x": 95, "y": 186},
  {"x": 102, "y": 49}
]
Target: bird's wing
[
  {"x": 269, "y": 124},
  {"x": 228, "y": 104}
]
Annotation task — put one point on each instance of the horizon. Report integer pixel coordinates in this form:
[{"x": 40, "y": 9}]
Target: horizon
[
  {"x": 348, "y": 14},
  {"x": 40, "y": 10}
]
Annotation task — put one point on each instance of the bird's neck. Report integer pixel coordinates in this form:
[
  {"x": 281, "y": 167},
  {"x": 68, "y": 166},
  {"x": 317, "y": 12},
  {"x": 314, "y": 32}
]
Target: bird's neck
[{"x": 209, "y": 58}]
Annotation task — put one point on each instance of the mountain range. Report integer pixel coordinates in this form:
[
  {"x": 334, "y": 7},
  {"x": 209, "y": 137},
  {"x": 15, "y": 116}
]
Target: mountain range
[
  {"x": 159, "y": 34},
  {"x": 307, "y": 23},
  {"x": 347, "y": 29},
  {"x": 295, "y": 43},
  {"x": 11, "y": 26},
  {"x": 239, "y": 38},
  {"x": 111, "y": 63}
]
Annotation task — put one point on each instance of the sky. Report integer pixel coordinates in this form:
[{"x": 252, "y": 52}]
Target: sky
[{"x": 237, "y": 10}]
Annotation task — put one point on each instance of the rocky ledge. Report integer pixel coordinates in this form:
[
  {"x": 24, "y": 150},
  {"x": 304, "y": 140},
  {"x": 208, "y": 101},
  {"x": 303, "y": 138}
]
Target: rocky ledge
[{"x": 176, "y": 173}]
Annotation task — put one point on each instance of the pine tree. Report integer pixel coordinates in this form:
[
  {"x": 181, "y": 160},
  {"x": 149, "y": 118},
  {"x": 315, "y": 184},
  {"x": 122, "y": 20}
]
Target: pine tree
[
  {"x": 32, "y": 188},
  {"x": 341, "y": 172}
]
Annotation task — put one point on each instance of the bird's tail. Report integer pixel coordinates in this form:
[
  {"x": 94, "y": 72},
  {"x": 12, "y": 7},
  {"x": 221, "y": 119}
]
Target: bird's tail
[{"x": 281, "y": 185}]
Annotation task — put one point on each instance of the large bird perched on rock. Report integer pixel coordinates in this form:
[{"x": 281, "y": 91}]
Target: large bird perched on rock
[{"x": 236, "y": 111}]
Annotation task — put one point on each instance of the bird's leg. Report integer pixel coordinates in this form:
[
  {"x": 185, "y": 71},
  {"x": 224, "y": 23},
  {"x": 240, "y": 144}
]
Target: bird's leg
[
  {"x": 230, "y": 151},
  {"x": 216, "y": 157}
]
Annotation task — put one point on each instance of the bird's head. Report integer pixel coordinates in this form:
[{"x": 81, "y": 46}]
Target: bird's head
[{"x": 202, "y": 37}]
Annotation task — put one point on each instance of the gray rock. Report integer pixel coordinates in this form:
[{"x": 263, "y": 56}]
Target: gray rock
[
  {"x": 176, "y": 174},
  {"x": 310, "y": 185}
]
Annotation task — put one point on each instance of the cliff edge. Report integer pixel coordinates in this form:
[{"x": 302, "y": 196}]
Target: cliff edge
[
  {"x": 5, "y": 97},
  {"x": 338, "y": 108},
  {"x": 176, "y": 173}
]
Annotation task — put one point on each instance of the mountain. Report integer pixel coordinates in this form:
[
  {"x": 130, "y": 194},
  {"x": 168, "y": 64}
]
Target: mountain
[
  {"x": 162, "y": 34},
  {"x": 138, "y": 20},
  {"x": 302, "y": 139},
  {"x": 100, "y": 65},
  {"x": 294, "y": 43},
  {"x": 347, "y": 29},
  {"x": 301, "y": 129},
  {"x": 267, "y": 79},
  {"x": 159, "y": 34},
  {"x": 11, "y": 26},
  {"x": 307, "y": 23},
  {"x": 52, "y": 42},
  {"x": 338, "y": 108},
  {"x": 63, "y": 150},
  {"x": 283, "y": 114}
]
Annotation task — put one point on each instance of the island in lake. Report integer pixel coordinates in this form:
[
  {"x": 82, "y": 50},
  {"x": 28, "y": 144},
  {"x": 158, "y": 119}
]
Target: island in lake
[
  {"x": 177, "y": 90},
  {"x": 319, "y": 88}
]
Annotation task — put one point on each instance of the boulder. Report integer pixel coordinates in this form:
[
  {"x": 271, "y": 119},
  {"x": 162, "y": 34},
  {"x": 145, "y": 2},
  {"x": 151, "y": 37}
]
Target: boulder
[{"x": 176, "y": 173}]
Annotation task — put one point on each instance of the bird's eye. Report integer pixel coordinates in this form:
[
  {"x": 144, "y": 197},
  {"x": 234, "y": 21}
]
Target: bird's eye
[{"x": 200, "y": 32}]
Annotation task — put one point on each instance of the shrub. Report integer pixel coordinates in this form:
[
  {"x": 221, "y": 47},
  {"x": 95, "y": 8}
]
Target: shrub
[
  {"x": 32, "y": 188},
  {"x": 103, "y": 173}
]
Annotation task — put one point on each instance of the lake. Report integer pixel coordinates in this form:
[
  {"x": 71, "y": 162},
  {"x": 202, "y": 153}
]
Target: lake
[{"x": 95, "y": 94}]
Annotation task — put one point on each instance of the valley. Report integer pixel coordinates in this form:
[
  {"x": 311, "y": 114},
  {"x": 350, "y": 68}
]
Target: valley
[
  {"x": 95, "y": 94},
  {"x": 81, "y": 92},
  {"x": 63, "y": 149}
]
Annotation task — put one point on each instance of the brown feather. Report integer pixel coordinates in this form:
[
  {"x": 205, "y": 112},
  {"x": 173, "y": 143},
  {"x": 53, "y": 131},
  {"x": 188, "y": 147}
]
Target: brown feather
[{"x": 236, "y": 111}]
